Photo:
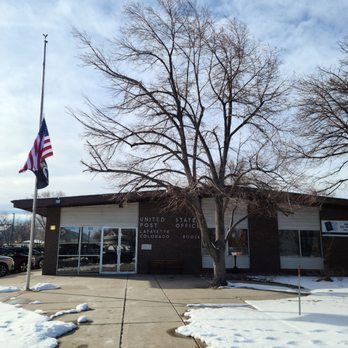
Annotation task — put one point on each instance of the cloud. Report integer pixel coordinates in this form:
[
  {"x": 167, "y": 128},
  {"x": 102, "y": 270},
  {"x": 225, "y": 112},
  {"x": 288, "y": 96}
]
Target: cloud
[{"x": 305, "y": 31}]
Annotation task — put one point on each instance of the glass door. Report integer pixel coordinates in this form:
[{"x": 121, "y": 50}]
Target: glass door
[
  {"x": 127, "y": 250},
  {"x": 118, "y": 252},
  {"x": 110, "y": 255}
]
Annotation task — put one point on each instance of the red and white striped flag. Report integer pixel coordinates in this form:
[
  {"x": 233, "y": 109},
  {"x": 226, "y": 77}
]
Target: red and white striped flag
[{"x": 41, "y": 149}]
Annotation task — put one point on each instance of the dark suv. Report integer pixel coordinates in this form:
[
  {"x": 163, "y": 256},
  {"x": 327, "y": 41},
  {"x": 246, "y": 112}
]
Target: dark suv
[{"x": 19, "y": 255}]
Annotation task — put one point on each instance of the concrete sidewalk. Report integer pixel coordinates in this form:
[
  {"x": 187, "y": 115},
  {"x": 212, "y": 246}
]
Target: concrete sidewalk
[{"x": 133, "y": 311}]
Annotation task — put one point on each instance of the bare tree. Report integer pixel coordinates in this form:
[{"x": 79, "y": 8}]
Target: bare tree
[
  {"x": 322, "y": 122},
  {"x": 5, "y": 229},
  {"x": 41, "y": 220},
  {"x": 195, "y": 110}
]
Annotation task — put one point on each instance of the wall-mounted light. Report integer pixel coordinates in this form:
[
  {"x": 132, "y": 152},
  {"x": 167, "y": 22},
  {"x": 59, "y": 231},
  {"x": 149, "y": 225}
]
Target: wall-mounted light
[{"x": 57, "y": 200}]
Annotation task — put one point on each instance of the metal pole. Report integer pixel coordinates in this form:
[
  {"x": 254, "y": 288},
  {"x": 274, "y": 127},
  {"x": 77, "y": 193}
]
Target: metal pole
[
  {"x": 299, "y": 289},
  {"x": 33, "y": 217}
]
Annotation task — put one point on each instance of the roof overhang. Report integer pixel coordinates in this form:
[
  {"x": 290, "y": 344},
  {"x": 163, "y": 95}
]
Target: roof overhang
[{"x": 43, "y": 204}]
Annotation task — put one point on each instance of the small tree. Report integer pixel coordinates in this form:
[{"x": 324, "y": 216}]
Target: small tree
[
  {"x": 22, "y": 230},
  {"x": 5, "y": 229},
  {"x": 322, "y": 121},
  {"x": 194, "y": 110},
  {"x": 41, "y": 220}
]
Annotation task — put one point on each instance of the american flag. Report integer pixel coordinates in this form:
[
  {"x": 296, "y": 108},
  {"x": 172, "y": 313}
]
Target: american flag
[{"x": 40, "y": 151}]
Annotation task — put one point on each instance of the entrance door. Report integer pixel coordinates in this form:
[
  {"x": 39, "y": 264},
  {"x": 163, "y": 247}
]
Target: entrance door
[{"x": 118, "y": 252}]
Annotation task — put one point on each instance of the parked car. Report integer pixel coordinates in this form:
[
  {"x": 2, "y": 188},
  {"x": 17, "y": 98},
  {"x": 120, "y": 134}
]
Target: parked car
[
  {"x": 6, "y": 265},
  {"x": 20, "y": 257},
  {"x": 37, "y": 254},
  {"x": 39, "y": 257}
]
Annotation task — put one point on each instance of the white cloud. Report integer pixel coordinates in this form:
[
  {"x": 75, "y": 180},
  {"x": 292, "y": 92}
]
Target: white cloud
[{"x": 305, "y": 31}]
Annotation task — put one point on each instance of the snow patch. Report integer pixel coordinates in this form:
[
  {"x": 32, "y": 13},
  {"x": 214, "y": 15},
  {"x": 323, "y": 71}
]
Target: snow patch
[
  {"x": 82, "y": 307},
  {"x": 215, "y": 305},
  {"x": 9, "y": 288},
  {"x": 44, "y": 286},
  {"x": 21, "y": 328},
  {"x": 267, "y": 288},
  {"x": 82, "y": 319},
  {"x": 79, "y": 308},
  {"x": 276, "y": 323},
  {"x": 40, "y": 311}
]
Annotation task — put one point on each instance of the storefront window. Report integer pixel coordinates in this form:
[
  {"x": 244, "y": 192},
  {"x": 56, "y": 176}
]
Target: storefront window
[
  {"x": 69, "y": 240},
  {"x": 289, "y": 243},
  {"x": 67, "y": 265},
  {"x": 90, "y": 240},
  {"x": 238, "y": 242},
  {"x": 300, "y": 243},
  {"x": 80, "y": 250},
  {"x": 310, "y": 243},
  {"x": 89, "y": 264}
]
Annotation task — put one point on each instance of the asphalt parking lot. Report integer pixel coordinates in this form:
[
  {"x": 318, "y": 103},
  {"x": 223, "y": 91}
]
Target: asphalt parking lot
[{"x": 126, "y": 311}]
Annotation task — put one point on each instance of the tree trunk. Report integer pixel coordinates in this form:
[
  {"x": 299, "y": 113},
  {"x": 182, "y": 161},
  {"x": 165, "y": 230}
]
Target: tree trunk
[
  {"x": 219, "y": 269},
  {"x": 220, "y": 245}
]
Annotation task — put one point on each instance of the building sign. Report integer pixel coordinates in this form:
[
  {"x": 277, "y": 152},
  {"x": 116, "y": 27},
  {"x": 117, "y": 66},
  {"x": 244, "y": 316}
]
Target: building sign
[
  {"x": 153, "y": 227},
  {"x": 165, "y": 227},
  {"x": 334, "y": 227}
]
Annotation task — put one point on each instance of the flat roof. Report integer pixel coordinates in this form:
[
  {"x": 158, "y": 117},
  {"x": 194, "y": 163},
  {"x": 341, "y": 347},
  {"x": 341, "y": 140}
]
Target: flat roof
[{"x": 84, "y": 200}]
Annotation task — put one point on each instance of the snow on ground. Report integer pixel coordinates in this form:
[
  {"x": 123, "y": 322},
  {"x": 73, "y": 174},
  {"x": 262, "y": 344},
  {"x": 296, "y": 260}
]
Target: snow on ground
[
  {"x": 267, "y": 288},
  {"x": 79, "y": 308},
  {"x": 82, "y": 319},
  {"x": 314, "y": 284},
  {"x": 276, "y": 323},
  {"x": 20, "y": 328},
  {"x": 37, "y": 287},
  {"x": 44, "y": 286},
  {"x": 9, "y": 288}
]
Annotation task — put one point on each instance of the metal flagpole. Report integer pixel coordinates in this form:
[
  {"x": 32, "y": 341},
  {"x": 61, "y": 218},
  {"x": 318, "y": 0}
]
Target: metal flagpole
[{"x": 33, "y": 217}]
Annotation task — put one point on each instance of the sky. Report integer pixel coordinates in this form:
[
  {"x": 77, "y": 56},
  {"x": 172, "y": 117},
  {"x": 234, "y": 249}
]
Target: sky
[{"x": 305, "y": 32}]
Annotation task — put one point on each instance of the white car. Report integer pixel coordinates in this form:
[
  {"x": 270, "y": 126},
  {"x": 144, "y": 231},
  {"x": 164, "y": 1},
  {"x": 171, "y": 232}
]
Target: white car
[{"x": 6, "y": 265}]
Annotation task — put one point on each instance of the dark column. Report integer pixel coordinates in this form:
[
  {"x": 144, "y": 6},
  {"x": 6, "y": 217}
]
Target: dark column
[
  {"x": 264, "y": 244},
  {"x": 51, "y": 241}
]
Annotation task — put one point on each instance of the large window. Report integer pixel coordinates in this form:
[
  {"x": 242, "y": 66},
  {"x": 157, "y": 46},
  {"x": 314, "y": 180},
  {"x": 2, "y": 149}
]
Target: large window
[
  {"x": 69, "y": 240},
  {"x": 300, "y": 243},
  {"x": 238, "y": 241},
  {"x": 79, "y": 250},
  {"x": 68, "y": 252},
  {"x": 91, "y": 249},
  {"x": 310, "y": 243},
  {"x": 90, "y": 240}
]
